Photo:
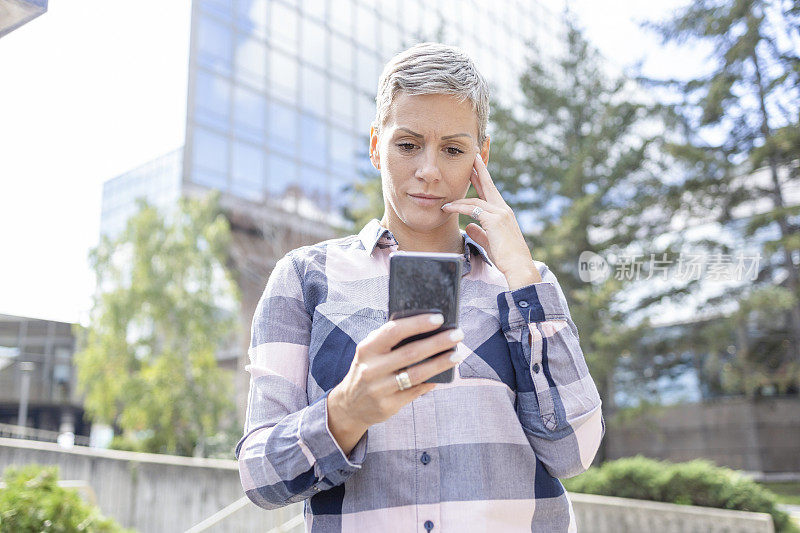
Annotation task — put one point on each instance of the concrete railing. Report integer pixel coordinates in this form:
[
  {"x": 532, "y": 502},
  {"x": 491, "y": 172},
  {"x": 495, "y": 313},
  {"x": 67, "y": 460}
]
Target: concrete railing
[
  {"x": 151, "y": 492},
  {"x": 606, "y": 514},
  {"x": 155, "y": 493}
]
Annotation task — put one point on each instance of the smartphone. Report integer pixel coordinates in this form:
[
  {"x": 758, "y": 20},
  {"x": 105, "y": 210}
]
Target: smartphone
[{"x": 425, "y": 282}]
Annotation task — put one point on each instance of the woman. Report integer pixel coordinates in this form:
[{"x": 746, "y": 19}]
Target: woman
[{"x": 336, "y": 418}]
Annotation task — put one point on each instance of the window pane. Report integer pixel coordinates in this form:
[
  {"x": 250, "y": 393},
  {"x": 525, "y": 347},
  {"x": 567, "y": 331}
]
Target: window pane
[
  {"x": 316, "y": 8},
  {"x": 342, "y": 17},
  {"x": 411, "y": 17},
  {"x": 249, "y": 115},
  {"x": 210, "y": 150},
  {"x": 366, "y": 113},
  {"x": 214, "y": 45},
  {"x": 314, "y": 84},
  {"x": 342, "y": 147},
  {"x": 283, "y": 27},
  {"x": 251, "y": 62},
  {"x": 312, "y": 143},
  {"x": 315, "y": 186},
  {"x": 341, "y": 57},
  {"x": 282, "y": 128},
  {"x": 212, "y": 98},
  {"x": 207, "y": 178},
  {"x": 251, "y": 16},
  {"x": 341, "y": 195},
  {"x": 366, "y": 32},
  {"x": 247, "y": 172},
  {"x": 314, "y": 47},
  {"x": 283, "y": 76},
  {"x": 366, "y": 66},
  {"x": 282, "y": 172},
  {"x": 220, "y": 8},
  {"x": 342, "y": 103},
  {"x": 390, "y": 38}
]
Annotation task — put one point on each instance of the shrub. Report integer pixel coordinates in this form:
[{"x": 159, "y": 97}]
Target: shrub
[
  {"x": 32, "y": 501},
  {"x": 697, "y": 482}
]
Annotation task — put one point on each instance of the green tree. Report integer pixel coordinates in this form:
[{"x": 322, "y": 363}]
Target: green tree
[
  {"x": 165, "y": 305},
  {"x": 32, "y": 501},
  {"x": 741, "y": 124}
]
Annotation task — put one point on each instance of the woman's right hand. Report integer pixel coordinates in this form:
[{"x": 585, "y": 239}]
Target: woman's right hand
[{"x": 369, "y": 393}]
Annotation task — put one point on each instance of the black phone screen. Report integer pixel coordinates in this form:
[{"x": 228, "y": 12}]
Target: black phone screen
[{"x": 425, "y": 282}]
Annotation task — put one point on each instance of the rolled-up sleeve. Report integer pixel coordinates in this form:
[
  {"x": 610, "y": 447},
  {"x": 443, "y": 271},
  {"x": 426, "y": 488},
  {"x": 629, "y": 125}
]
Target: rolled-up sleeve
[
  {"x": 557, "y": 400},
  {"x": 287, "y": 452}
]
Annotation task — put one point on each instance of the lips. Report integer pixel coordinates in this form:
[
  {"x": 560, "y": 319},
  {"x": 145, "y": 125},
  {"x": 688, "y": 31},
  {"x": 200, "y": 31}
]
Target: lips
[{"x": 427, "y": 196}]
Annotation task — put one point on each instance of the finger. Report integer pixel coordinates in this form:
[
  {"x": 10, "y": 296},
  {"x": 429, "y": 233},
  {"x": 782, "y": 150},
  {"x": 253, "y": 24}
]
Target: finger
[
  {"x": 386, "y": 337},
  {"x": 491, "y": 194},
  {"x": 420, "y": 349},
  {"x": 467, "y": 207},
  {"x": 478, "y": 234},
  {"x": 476, "y": 182},
  {"x": 419, "y": 373}
]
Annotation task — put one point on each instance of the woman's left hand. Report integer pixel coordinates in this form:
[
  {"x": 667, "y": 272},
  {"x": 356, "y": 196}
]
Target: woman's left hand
[{"x": 499, "y": 231}]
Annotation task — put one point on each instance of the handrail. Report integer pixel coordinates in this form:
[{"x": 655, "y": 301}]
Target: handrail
[
  {"x": 239, "y": 504},
  {"x": 220, "y": 515},
  {"x": 24, "y": 432}
]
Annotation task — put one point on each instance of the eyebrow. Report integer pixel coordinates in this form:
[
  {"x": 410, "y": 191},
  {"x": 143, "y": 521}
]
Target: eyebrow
[{"x": 420, "y": 136}]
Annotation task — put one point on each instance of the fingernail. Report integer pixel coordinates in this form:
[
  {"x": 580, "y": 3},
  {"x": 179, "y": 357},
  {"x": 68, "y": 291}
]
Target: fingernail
[
  {"x": 456, "y": 357},
  {"x": 456, "y": 335},
  {"x": 445, "y": 205},
  {"x": 437, "y": 319}
]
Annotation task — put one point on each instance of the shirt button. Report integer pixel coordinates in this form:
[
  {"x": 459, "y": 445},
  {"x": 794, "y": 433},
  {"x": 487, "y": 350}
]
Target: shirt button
[
  {"x": 535, "y": 368},
  {"x": 425, "y": 458},
  {"x": 428, "y": 525},
  {"x": 523, "y": 303}
]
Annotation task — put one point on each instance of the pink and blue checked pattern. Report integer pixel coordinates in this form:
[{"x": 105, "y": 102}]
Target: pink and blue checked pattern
[{"x": 483, "y": 453}]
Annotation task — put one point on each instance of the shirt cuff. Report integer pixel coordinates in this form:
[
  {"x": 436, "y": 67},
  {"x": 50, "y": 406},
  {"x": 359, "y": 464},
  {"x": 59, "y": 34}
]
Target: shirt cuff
[
  {"x": 316, "y": 437},
  {"x": 536, "y": 302}
]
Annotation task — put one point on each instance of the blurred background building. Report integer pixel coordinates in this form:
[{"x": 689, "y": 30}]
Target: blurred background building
[
  {"x": 15, "y": 13},
  {"x": 37, "y": 378}
]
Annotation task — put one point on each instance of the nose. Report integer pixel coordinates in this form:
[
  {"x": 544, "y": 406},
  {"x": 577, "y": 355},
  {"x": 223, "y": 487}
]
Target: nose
[{"x": 428, "y": 170}]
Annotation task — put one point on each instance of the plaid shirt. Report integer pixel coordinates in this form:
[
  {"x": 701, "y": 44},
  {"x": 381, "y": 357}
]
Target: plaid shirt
[{"x": 483, "y": 453}]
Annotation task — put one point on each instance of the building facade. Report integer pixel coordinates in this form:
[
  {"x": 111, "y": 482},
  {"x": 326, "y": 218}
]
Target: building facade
[
  {"x": 43, "y": 350},
  {"x": 15, "y": 13}
]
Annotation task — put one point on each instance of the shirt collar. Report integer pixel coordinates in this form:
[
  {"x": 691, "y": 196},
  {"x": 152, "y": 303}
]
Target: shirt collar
[{"x": 373, "y": 234}]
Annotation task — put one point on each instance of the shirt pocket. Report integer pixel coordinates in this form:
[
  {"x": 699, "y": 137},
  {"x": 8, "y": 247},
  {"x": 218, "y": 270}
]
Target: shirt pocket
[{"x": 488, "y": 356}]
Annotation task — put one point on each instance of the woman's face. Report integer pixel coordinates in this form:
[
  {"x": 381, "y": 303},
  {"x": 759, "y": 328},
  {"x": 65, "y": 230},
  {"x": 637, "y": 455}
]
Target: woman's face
[{"x": 427, "y": 147}]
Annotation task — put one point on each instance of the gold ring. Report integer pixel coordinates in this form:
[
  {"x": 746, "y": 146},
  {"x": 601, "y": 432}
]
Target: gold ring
[{"x": 403, "y": 381}]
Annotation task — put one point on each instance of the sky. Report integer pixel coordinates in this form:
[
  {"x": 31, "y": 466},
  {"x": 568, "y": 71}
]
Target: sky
[{"x": 94, "y": 88}]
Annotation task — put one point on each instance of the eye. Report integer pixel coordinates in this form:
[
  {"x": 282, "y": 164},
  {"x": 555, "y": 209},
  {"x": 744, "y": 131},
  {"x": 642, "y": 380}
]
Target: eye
[
  {"x": 406, "y": 147},
  {"x": 457, "y": 151}
]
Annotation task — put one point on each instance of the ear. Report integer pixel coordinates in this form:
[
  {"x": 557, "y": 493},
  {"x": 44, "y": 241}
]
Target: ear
[
  {"x": 374, "y": 153},
  {"x": 485, "y": 149}
]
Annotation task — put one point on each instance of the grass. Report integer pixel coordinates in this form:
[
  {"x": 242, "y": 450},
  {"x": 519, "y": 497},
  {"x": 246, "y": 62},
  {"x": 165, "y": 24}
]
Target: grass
[{"x": 787, "y": 492}]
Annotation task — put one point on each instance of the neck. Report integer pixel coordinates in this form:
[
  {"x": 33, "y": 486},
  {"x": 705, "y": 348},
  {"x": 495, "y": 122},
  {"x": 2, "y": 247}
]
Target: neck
[{"x": 444, "y": 238}]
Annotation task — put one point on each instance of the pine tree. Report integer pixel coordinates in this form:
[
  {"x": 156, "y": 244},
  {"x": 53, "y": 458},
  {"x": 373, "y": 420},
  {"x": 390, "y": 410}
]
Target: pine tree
[{"x": 748, "y": 102}]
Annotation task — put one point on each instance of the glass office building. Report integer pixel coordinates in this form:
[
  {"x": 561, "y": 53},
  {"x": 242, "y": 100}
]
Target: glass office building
[
  {"x": 157, "y": 181},
  {"x": 281, "y": 94}
]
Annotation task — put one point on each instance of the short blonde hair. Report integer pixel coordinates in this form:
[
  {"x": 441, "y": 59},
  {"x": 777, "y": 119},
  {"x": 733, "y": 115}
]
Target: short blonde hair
[{"x": 433, "y": 68}]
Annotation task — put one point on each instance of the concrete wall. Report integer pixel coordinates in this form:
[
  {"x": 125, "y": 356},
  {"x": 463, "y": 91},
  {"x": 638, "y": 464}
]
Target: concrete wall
[
  {"x": 604, "y": 514},
  {"x": 161, "y": 493},
  {"x": 150, "y": 492},
  {"x": 756, "y": 435}
]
